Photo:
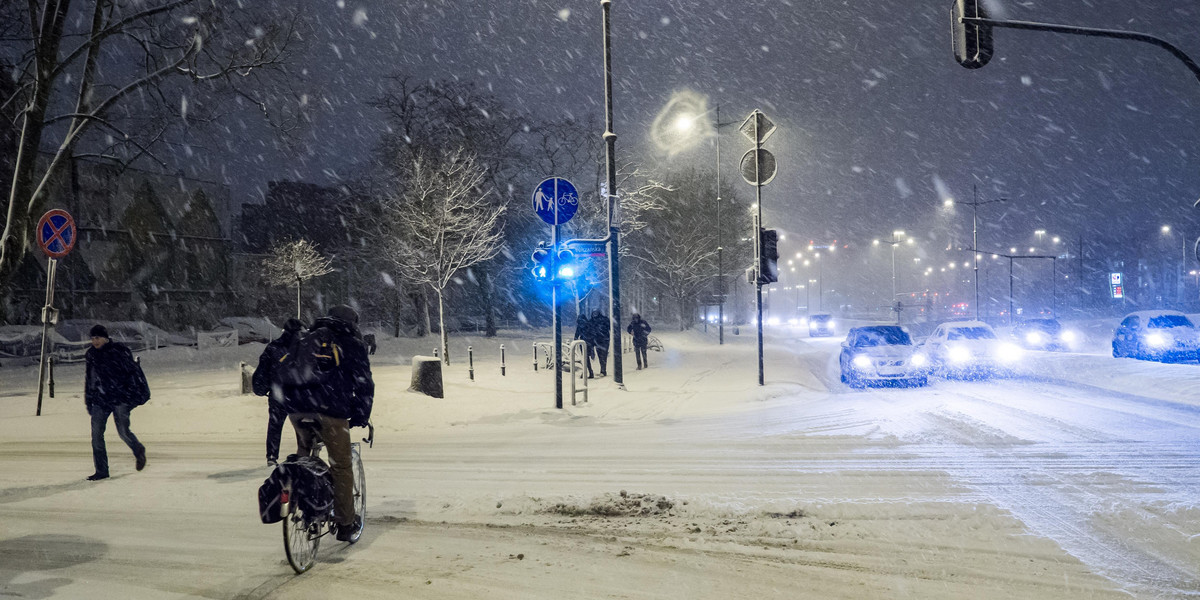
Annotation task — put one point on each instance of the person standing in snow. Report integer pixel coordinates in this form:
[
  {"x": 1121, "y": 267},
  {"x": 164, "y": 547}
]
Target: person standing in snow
[
  {"x": 601, "y": 336},
  {"x": 263, "y": 386},
  {"x": 111, "y": 386},
  {"x": 583, "y": 331},
  {"x": 341, "y": 402},
  {"x": 640, "y": 330}
]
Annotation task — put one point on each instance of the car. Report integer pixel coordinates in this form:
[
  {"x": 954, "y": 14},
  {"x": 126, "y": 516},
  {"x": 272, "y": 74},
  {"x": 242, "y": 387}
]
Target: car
[
  {"x": 821, "y": 325},
  {"x": 1159, "y": 335},
  {"x": 881, "y": 354},
  {"x": 969, "y": 349},
  {"x": 1045, "y": 334}
]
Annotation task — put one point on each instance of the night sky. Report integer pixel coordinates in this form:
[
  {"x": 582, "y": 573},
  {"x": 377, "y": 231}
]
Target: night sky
[{"x": 877, "y": 123}]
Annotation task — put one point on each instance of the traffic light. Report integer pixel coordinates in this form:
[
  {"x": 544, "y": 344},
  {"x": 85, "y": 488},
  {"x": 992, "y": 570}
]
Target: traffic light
[
  {"x": 972, "y": 43},
  {"x": 768, "y": 267},
  {"x": 567, "y": 269},
  {"x": 541, "y": 262}
]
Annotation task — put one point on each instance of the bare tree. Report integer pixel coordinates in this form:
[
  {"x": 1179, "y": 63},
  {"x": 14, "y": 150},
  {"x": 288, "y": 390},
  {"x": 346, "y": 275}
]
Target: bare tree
[
  {"x": 108, "y": 79},
  {"x": 441, "y": 222},
  {"x": 294, "y": 263}
]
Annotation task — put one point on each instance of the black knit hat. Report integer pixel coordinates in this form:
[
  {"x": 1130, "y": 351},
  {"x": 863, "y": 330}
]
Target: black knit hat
[
  {"x": 293, "y": 324},
  {"x": 98, "y": 331},
  {"x": 344, "y": 313}
]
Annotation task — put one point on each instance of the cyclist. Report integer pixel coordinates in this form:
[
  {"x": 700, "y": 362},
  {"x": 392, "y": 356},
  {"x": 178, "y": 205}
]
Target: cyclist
[{"x": 341, "y": 402}]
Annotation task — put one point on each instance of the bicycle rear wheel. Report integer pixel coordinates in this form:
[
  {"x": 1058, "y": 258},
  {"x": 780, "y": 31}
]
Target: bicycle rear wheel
[
  {"x": 300, "y": 539},
  {"x": 360, "y": 491}
]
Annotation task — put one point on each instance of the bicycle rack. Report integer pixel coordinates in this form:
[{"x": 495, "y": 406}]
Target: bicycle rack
[{"x": 577, "y": 371}]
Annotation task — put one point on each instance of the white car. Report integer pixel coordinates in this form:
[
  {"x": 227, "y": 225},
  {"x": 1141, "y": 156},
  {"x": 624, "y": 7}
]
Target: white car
[
  {"x": 969, "y": 349},
  {"x": 881, "y": 354}
]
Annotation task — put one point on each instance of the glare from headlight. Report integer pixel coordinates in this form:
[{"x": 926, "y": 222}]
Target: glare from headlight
[
  {"x": 918, "y": 360},
  {"x": 1033, "y": 337},
  {"x": 958, "y": 354},
  {"x": 862, "y": 361},
  {"x": 1009, "y": 353},
  {"x": 1068, "y": 336},
  {"x": 1156, "y": 340},
  {"x": 832, "y": 324}
]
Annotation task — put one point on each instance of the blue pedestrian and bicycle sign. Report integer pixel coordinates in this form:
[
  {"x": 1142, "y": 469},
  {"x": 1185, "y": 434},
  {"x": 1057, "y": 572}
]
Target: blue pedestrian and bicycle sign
[
  {"x": 56, "y": 233},
  {"x": 555, "y": 197}
]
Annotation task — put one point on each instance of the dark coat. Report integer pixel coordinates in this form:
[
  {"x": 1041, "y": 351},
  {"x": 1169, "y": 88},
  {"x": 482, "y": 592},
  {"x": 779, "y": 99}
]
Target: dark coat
[
  {"x": 111, "y": 378},
  {"x": 640, "y": 330},
  {"x": 583, "y": 331},
  {"x": 263, "y": 380},
  {"x": 350, "y": 391},
  {"x": 601, "y": 329}
]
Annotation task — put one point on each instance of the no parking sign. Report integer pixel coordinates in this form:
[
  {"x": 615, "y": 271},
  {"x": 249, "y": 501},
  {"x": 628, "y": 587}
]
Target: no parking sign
[{"x": 56, "y": 233}]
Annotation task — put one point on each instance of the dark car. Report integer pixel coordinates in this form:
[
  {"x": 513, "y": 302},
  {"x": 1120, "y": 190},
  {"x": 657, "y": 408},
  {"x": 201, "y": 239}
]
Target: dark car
[
  {"x": 1045, "y": 334},
  {"x": 881, "y": 354},
  {"x": 821, "y": 325},
  {"x": 1156, "y": 335}
]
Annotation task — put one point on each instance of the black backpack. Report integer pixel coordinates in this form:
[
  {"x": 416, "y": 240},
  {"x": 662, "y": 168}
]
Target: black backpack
[
  {"x": 141, "y": 390},
  {"x": 311, "y": 485},
  {"x": 311, "y": 357}
]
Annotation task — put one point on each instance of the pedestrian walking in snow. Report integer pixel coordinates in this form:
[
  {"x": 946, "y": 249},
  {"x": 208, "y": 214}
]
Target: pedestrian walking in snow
[
  {"x": 601, "y": 335},
  {"x": 339, "y": 402},
  {"x": 263, "y": 385},
  {"x": 583, "y": 331},
  {"x": 640, "y": 330},
  {"x": 113, "y": 385}
]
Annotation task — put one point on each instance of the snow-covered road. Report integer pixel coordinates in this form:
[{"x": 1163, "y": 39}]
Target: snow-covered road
[{"x": 695, "y": 483}]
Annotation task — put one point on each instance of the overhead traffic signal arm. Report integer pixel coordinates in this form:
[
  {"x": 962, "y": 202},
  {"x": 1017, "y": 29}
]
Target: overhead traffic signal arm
[{"x": 972, "y": 36}]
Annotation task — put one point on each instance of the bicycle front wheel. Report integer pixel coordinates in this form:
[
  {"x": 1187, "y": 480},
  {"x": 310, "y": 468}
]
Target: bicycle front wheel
[{"x": 300, "y": 539}]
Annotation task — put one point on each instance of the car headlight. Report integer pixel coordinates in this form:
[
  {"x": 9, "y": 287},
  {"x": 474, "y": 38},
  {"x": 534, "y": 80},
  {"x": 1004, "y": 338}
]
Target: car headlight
[
  {"x": 1157, "y": 340},
  {"x": 862, "y": 361},
  {"x": 832, "y": 324},
  {"x": 918, "y": 360},
  {"x": 1067, "y": 336},
  {"x": 1009, "y": 353},
  {"x": 1034, "y": 338},
  {"x": 958, "y": 354}
]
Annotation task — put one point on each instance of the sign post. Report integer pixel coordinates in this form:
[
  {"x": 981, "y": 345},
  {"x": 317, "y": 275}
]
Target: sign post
[
  {"x": 758, "y": 169},
  {"x": 56, "y": 237},
  {"x": 555, "y": 200}
]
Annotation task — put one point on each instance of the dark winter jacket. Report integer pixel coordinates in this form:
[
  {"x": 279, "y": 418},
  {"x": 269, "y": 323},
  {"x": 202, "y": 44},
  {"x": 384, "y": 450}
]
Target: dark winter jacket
[
  {"x": 111, "y": 378},
  {"x": 640, "y": 330},
  {"x": 263, "y": 375},
  {"x": 601, "y": 328},
  {"x": 349, "y": 392},
  {"x": 583, "y": 331}
]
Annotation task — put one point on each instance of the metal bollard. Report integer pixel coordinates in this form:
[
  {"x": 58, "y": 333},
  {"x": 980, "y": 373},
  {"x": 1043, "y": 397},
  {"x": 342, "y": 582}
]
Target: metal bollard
[
  {"x": 471, "y": 362},
  {"x": 50, "y": 360},
  {"x": 535, "y": 357},
  {"x": 435, "y": 353},
  {"x": 502, "y": 360}
]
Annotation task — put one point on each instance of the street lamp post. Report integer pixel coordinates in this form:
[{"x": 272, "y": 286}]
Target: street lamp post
[
  {"x": 896, "y": 240},
  {"x": 614, "y": 227},
  {"x": 975, "y": 204}
]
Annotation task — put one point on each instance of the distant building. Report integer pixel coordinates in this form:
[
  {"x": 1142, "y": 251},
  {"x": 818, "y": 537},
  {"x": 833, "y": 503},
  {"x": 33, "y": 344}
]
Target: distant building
[{"x": 151, "y": 247}]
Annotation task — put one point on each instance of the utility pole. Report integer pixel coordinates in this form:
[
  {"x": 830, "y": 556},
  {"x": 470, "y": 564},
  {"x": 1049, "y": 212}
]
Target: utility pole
[{"x": 614, "y": 226}]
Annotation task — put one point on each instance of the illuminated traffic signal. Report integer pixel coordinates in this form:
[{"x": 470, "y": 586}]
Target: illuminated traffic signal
[
  {"x": 567, "y": 268},
  {"x": 768, "y": 266},
  {"x": 972, "y": 43},
  {"x": 541, "y": 262}
]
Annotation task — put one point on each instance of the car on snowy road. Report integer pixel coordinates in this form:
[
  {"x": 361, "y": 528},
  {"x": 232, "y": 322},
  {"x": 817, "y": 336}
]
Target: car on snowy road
[
  {"x": 1045, "y": 334},
  {"x": 1159, "y": 335},
  {"x": 970, "y": 350},
  {"x": 821, "y": 325},
  {"x": 881, "y": 354}
]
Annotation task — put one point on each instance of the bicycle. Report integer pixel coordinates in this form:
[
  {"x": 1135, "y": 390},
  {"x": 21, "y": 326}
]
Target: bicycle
[{"x": 302, "y": 533}]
